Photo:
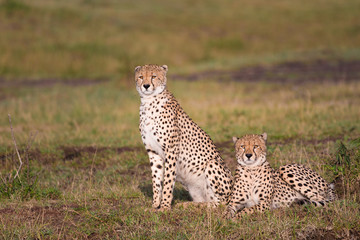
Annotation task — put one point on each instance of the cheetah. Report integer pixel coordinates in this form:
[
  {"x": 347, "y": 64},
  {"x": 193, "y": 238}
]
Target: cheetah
[
  {"x": 178, "y": 149},
  {"x": 258, "y": 187}
]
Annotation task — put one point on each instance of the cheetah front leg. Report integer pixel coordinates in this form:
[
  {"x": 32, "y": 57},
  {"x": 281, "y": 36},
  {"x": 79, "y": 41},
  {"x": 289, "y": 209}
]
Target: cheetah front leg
[
  {"x": 261, "y": 207},
  {"x": 264, "y": 194},
  {"x": 236, "y": 203},
  {"x": 171, "y": 156},
  {"x": 157, "y": 171}
]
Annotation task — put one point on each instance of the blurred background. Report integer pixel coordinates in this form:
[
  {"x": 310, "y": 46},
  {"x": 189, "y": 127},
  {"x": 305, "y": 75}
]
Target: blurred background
[
  {"x": 106, "y": 39},
  {"x": 290, "y": 68}
]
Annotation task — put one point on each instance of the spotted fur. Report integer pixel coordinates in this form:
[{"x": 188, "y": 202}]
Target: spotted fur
[
  {"x": 178, "y": 148},
  {"x": 258, "y": 187}
]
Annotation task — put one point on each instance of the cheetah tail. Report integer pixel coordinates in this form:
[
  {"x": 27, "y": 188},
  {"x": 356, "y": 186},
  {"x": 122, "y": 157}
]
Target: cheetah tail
[
  {"x": 315, "y": 203},
  {"x": 330, "y": 197}
]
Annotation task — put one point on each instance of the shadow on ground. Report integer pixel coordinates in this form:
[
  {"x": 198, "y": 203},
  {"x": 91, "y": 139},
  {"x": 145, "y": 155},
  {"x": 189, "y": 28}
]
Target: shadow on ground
[{"x": 179, "y": 192}]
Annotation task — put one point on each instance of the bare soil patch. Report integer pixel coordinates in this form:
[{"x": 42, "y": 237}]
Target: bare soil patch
[
  {"x": 289, "y": 72},
  {"x": 54, "y": 216}
]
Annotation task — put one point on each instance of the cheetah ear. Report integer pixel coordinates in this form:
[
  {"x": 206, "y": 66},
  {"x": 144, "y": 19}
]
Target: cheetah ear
[
  {"x": 235, "y": 139},
  {"x": 264, "y": 136},
  {"x": 165, "y": 67},
  {"x": 137, "y": 68}
]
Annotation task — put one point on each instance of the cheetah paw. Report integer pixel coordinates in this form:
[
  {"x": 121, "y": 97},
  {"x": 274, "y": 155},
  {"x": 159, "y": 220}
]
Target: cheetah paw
[{"x": 228, "y": 215}]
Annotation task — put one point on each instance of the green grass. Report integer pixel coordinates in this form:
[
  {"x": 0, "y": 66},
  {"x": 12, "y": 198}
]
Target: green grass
[{"x": 89, "y": 175}]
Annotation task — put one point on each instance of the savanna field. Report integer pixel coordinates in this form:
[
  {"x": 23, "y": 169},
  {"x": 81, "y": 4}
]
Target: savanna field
[{"x": 289, "y": 68}]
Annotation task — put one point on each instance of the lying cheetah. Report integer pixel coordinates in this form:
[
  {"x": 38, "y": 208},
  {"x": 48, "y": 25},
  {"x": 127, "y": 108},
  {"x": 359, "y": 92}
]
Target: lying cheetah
[
  {"x": 177, "y": 147},
  {"x": 258, "y": 187}
]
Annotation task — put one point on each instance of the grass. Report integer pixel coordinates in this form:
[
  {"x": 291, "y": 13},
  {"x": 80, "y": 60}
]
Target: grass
[
  {"x": 93, "y": 174},
  {"x": 88, "y": 174},
  {"x": 108, "y": 114}
]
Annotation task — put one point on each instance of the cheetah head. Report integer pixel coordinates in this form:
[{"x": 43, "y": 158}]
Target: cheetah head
[
  {"x": 150, "y": 79},
  {"x": 250, "y": 150}
]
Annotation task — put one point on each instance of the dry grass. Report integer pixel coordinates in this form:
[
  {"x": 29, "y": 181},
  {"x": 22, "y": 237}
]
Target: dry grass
[{"x": 108, "y": 114}]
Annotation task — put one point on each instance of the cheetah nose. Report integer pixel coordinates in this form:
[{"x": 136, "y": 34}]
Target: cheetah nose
[
  {"x": 146, "y": 86},
  {"x": 248, "y": 155}
]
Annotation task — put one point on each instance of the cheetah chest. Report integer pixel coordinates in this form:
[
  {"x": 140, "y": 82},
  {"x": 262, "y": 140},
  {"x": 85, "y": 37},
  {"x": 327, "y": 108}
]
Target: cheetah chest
[
  {"x": 255, "y": 184},
  {"x": 149, "y": 127},
  {"x": 148, "y": 134}
]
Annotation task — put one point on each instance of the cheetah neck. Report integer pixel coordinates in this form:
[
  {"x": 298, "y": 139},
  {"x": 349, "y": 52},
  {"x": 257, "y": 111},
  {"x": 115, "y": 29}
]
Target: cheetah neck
[
  {"x": 164, "y": 95},
  {"x": 254, "y": 167}
]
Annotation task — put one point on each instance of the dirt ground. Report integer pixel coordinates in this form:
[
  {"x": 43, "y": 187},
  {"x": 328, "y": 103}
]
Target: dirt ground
[
  {"x": 288, "y": 72},
  {"x": 295, "y": 72}
]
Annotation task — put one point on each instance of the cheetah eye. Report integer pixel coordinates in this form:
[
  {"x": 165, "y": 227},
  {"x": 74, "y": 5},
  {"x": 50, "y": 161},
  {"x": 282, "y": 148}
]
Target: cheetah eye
[
  {"x": 242, "y": 146},
  {"x": 256, "y": 146},
  {"x": 141, "y": 77},
  {"x": 153, "y": 77}
]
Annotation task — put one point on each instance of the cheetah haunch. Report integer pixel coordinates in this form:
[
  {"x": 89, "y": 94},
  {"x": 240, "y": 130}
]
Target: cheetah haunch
[
  {"x": 258, "y": 187},
  {"x": 178, "y": 148}
]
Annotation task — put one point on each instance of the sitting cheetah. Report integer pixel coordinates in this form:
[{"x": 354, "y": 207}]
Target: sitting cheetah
[
  {"x": 258, "y": 187},
  {"x": 177, "y": 147}
]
